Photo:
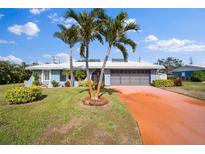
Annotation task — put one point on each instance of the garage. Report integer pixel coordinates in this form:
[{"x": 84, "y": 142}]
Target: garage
[{"x": 130, "y": 77}]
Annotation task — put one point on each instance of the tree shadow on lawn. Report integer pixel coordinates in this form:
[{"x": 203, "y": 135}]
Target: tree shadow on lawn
[{"x": 104, "y": 91}]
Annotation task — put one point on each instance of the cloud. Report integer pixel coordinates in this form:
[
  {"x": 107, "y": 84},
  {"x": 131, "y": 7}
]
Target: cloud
[
  {"x": 173, "y": 45},
  {"x": 1, "y": 16},
  {"x": 47, "y": 56},
  {"x": 30, "y": 29},
  {"x": 35, "y": 11},
  {"x": 2, "y": 41},
  {"x": 55, "y": 18},
  {"x": 151, "y": 38},
  {"x": 60, "y": 57},
  {"x": 12, "y": 59}
]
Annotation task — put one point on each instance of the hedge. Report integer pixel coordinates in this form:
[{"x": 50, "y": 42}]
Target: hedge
[
  {"x": 163, "y": 83},
  {"x": 198, "y": 76},
  {"x": 23, "y": 94}
]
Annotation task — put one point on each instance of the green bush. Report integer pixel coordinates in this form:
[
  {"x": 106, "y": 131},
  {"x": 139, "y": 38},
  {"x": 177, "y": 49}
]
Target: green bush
[
  {"x": 198, "y": 76},
  {"x": 23, "y": 94},
  {"x": 163, "y": 83},
  {"x": 79, "y": 74},
  {"x": 36, "y": 81},
  {"x": 36, "y": 75},
  {"x": 55, "y": 83}
]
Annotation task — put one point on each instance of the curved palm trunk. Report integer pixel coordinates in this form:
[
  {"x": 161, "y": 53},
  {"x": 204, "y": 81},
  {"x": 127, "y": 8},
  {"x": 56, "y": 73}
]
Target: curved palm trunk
[
  {"x": 88, "y": 72},
  {"x": 86, "y": 63},
  {"x": 71, "y": 67},
  {"x": 102, "y": 71}
]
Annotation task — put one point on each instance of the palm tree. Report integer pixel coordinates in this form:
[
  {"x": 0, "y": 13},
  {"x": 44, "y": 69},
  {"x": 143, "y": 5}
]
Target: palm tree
[
  {"x": 114, "y": 31},
  {"x": 70, "y": 36},
  {"x": 89, "y": 30}
]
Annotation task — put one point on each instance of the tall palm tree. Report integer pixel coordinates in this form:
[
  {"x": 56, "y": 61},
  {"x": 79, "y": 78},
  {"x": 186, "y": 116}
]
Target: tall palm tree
[
  {"x": 114, "y": 30},
  {"x": 89, "y": 30},
  {"x": 70, "y": 36}
]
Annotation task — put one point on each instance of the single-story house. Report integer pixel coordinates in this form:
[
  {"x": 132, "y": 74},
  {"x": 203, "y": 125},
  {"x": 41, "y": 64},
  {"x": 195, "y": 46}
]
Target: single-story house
[
  {"x": 185, "y": 72},
  {"x": 116, "y": 72}
]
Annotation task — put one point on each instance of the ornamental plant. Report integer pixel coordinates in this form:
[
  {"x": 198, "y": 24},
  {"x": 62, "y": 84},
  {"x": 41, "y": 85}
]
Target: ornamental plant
[
  {"x": 23, "y": 95},
  {"x": 163, "y": 83}
]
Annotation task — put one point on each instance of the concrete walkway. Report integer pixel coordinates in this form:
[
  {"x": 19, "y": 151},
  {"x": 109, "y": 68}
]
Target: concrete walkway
[{"x": 165, "y": 117}]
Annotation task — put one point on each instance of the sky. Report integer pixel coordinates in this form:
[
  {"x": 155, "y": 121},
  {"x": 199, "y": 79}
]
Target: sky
[{"x": 27, "y": 35}]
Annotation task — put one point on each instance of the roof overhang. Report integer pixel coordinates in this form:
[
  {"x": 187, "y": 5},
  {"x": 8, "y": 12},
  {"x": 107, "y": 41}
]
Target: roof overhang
[{"x": 97, "y": 65}]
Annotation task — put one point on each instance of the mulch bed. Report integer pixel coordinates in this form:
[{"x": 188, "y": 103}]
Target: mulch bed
[{"x": 95, "y": 102}]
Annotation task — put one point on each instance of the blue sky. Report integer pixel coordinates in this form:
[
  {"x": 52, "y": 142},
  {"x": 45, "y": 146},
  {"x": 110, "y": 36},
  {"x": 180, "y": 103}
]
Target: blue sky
[{"x": 27, "y": 35}]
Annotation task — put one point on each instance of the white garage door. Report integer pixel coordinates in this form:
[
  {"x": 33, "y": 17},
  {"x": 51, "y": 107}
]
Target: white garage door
[{"x": 130, "y": 77}]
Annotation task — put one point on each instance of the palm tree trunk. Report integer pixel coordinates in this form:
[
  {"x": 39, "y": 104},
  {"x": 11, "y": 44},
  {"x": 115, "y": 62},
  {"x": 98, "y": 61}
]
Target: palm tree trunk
[
  {"x": 102, "y": 71},
  {"x": 71, "y": 67},
  {"x": 86, "y": 63},
  {"x": 88, "y": 72}
]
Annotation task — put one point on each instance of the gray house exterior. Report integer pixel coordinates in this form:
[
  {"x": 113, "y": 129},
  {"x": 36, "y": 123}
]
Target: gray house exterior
[
  {"x": 185, "y": 72},
  {"x": 116, "y": 73}
]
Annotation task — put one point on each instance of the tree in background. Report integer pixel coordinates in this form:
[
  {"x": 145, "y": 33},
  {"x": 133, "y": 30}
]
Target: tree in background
[
  {"x": 70, "y": 36},
  {"x": 170, "y": 63},
  {"x": 198, "y": 76},
  {"x": 13, "y": 73}
]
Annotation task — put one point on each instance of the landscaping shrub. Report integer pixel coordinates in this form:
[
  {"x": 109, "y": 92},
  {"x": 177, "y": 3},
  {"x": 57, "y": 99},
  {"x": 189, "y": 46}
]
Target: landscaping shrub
[
  {"x": 177, "y": 82},
  {"x": 23, "y": 94},
  {"x": 79, "y": 74},
  {"x": 55, "y": 83},
  {"x": 163, "y": 83},
  {"x": 67, "y": 84},
  {"x": 198, "y": 76},
  {"x": 36, "y": 81}
]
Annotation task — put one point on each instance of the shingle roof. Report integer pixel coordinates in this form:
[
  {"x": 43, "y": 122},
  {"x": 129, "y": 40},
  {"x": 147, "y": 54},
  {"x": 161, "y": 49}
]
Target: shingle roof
[
  {"x": 189, "y": 68},
  {"x": 97, "y": 65}
]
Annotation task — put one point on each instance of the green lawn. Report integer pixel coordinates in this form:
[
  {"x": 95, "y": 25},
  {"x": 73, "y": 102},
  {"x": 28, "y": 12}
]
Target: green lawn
[
  {"x": 193, "y": 89},
  {"x": 197, "y": 86},
  {"x": 60, "y": 118}
]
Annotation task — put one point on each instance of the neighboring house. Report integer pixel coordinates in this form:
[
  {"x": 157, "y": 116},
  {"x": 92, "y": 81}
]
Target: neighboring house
[
  {"x": 185, "y": 72},
  {"x": 116, "y": 72}
]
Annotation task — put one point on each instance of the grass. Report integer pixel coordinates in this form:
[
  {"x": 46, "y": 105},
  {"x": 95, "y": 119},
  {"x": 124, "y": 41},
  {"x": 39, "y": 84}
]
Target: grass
[
  {"x": 196, "y": 86},
  {"x": 193, "y": 89},
  {"x": 60, "y": 118}
]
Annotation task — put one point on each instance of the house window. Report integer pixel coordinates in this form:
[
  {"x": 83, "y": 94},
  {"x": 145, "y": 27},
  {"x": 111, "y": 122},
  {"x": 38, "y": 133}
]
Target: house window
[
  {"x": 46, "y": 75},
  {"x": 62, "y": 76}
]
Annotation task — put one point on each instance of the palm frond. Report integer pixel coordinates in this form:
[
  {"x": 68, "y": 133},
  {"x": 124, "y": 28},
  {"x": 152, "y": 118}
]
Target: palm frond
[
  {"x": 122, "y": 49},
  {"x": 98, "y": 37},
  {"x": 131, "y": 26},
  {"x": 62, "y": 27},
  {"x": 121, "y": 16},
  {"x": 128, "y": 41},
  {"x": 72, "y": 14}
]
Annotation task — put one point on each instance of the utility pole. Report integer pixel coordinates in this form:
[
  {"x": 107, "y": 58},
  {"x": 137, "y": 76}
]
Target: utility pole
[
  {"x": 139, "y": 60},
  {"x": 190, "y": 61}
]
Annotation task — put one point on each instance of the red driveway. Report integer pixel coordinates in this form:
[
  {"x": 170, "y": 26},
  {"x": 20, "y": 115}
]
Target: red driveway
[{"x": 165, "y": 117}]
